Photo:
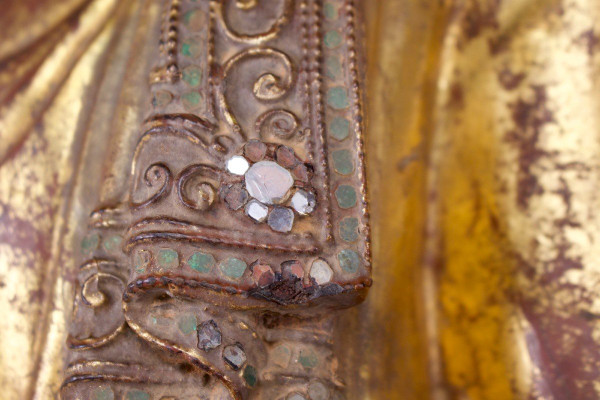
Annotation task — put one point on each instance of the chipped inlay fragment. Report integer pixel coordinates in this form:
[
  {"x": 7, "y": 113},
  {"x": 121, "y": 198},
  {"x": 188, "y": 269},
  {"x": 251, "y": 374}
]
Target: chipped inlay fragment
[
  {"x": 321, "y": 272},
  {"x": 209, "y": 335},
  {"x": 304, "y": 202}
]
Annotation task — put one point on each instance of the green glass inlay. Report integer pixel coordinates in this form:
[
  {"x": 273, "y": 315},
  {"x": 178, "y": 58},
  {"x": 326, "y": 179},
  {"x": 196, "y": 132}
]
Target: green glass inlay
[
  {"x": 250, "y": 375},
  {"x": 90, "y": 242},
  {"x": 191, "y": 100},
  {"x": 191, "y": 48},
  {"x": 342, "y": 162},
  {"x": 333, "y": 67},
  {"x": 201, "y": 262},
  {"x": 137, "y": 395},
  {"x": 161, "y": 320},
  {"x": 103, "y": 393},
  {"x": 349, "y": 229},
  {"x": 192, "y": 75},
  {"x": 141, "y": 260},
  {"x": 281, "y": 356},
  {"x": 346, "y": 196},
  {"x": 233, "y": 268},
  {"x": 187, "y": 324},
  {"x": 194, "y": 19},
  {"x": 167, "y": 258},
  {"x": 161, "y": 98},
  {"x": 337, "y": 97},
  {"x": 332, "y": 39},
  {"x": 188, "y": 16},
  {"x": 349, "y": 260},
  {"x": 112, "y": 243},
  {"x": 308, "y": 359},
  {"x": 330, "y": 11},
  {"x": 339, "y": 128}
]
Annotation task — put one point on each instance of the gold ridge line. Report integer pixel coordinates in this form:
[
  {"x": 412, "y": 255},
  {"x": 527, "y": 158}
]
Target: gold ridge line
[
  {"x": 87, "y": 370},
  {"x": 171, "y": 229}
]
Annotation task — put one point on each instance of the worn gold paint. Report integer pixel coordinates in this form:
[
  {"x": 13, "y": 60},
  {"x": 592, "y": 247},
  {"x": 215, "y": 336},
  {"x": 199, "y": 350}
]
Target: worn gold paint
[
  {"x": 40, "y": 18},
  {"x": 454, "y": 78},
  {"x": 510, "y": 201},
  {"x": 461, "y": 247},
  {"x": 18, "y": 116},
  {"x": 389, "y": 358},
  {"x": 32, "y": 184}
]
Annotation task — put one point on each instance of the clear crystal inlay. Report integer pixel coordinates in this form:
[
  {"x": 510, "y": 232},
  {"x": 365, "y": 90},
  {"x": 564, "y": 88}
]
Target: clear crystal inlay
[
  {"x": 257, "y": 211},
  {"x": 320, "y": 271},
  {"x": 268, "y": 182},
  {"x": 303, "y": 202},
  {"x": 237, "y": 165}
]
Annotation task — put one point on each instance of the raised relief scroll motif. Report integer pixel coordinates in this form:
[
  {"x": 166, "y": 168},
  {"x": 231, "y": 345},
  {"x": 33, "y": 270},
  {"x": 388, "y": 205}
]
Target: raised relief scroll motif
[
  {"x": 244, "y": 227},
  {"x": 255, "y": 21}
]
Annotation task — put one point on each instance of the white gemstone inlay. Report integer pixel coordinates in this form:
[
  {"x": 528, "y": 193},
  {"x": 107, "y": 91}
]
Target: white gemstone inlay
[
  {"x": 237, "y": 165},
  {"x": 257, "y": 211},
  {"x": 303, "y": 202},
  {"x": 268, "y": 182},
  {"x": 320, "y": 271}
]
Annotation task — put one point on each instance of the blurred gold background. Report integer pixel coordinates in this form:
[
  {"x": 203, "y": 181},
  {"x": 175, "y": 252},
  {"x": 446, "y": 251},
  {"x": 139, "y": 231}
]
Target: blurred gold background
[{"x": 483, "y": 166}]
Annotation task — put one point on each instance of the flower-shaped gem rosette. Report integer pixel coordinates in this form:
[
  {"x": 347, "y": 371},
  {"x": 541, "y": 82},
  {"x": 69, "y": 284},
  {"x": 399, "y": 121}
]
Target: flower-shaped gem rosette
[{"x": 270, "y": 183}]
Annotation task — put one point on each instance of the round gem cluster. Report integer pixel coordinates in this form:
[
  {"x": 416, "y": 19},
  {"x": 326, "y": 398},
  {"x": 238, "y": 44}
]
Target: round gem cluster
[{"x": 274, "y": 187}]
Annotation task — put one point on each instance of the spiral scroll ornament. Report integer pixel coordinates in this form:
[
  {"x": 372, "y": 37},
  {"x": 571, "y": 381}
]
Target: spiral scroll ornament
[
  {"x": 259, "y": 34},
  {"x": 276, "y": 124},
  {"x": 152, "y": 186},
  {"x": 269, "y": 86},
  {"x": 197, "y": 186},
  {"x": 99, "y": 299}
]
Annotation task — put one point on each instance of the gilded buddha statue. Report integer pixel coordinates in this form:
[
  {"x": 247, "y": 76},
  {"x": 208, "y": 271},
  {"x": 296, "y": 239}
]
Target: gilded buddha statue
[{"x": 299, "y": 199}]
